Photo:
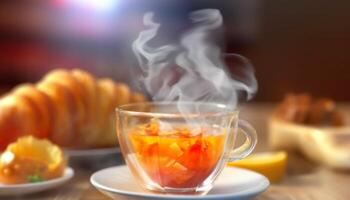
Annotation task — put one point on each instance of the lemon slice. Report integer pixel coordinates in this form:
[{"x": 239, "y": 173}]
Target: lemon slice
[{"x": 270, "y": 164}]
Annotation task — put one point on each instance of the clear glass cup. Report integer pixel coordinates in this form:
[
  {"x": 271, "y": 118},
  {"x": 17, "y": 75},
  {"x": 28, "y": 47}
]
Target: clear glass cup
[{"x": 180, "y": 148}]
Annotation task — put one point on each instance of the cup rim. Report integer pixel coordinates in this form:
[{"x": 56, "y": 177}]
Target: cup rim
[{"x": 229, "y": 111}]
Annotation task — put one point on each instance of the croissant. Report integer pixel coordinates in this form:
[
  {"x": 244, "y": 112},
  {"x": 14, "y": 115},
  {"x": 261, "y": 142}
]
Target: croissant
[{"x": 70, "y": 107}]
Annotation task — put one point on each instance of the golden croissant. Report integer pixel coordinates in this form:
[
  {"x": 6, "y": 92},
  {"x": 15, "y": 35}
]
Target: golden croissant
[{"x": 70, "y": 107}]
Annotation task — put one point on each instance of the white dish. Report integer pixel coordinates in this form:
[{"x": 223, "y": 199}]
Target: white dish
[
  {"x": 233, "y": 183},
  {"x": 83, "y": 153},
  {"x": 28, "y": 188},
  {"x": 94, "y": 158}
]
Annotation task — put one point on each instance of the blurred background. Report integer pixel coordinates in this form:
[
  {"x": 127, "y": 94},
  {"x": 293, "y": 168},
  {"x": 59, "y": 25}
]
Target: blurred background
[{"x": 295, "y": 46}]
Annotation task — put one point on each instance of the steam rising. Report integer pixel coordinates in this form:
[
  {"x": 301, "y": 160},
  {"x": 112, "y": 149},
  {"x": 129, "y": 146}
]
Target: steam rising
[{"x": 192, "y": 69}]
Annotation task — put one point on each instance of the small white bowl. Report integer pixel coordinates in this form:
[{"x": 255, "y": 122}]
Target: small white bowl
[{"x": 29, "y": 188}]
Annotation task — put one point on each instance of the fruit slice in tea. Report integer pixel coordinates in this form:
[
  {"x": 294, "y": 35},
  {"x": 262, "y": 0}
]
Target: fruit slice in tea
[{"x": 177, "y": 158}]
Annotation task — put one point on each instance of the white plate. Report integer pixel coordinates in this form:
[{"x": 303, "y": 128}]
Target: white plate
[
  {"x": 233, "y": 183},
  {"x": 28, "y": 188},
  {"x": 87, "y": 153},
  {"x": 94, "y": 158}
]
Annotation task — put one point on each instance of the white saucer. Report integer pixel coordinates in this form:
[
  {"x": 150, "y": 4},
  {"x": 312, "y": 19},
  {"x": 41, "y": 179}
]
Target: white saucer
[
  {"x": 233, "y": 183},
  {"x": 28, "y": 188}
]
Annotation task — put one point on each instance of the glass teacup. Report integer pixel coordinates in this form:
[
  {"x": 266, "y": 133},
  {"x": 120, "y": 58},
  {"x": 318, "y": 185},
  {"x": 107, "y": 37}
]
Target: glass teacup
[{"x": 180, "y": 147}]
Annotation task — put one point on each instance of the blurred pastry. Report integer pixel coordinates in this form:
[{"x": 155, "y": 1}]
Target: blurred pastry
[
  {"x": 305, "y": 109},
  {"x": 72, "y": 108},
  {"x": 299, "y": 113},
  {"x": 312, "y": 126}
]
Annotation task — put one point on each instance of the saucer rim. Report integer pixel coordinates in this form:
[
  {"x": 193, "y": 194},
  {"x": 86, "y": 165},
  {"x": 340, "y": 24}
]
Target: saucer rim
[{"x": 249, "y": 192}]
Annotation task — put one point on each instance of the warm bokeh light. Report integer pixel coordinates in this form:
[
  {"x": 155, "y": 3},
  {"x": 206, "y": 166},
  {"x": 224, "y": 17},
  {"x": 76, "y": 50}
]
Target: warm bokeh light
[{"x": 99, "y": 5}]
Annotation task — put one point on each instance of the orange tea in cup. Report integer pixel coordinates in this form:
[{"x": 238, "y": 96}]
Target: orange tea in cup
[
  {"x": 180, "y": 157},
  {"x": 171, "y": 151}
]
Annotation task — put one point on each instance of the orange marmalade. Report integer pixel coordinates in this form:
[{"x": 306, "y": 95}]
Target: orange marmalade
[{"x": 179, "y": 157}]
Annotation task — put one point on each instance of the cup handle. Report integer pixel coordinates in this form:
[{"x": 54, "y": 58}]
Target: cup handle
[{"x": 249, "y": 144}]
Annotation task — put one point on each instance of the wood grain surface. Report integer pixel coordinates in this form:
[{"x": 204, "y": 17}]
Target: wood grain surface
[{"x": 304, "y": 181}]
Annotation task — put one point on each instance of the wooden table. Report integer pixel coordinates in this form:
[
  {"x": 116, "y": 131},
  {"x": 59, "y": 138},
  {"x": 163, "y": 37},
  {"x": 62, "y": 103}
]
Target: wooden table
[{"x": 305, "y": 180}]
